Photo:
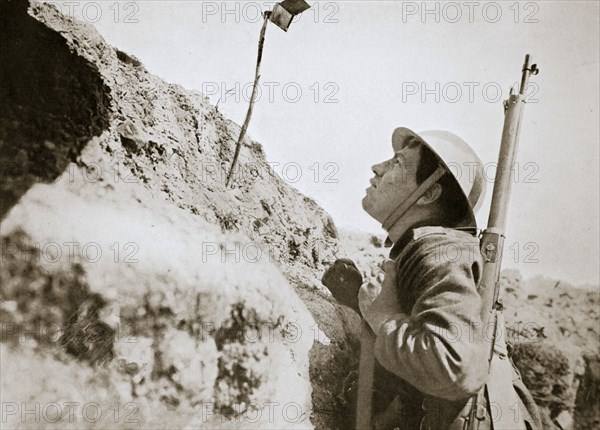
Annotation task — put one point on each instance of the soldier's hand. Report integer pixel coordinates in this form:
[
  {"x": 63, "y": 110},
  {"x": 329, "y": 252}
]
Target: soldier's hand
[
  {"x": 344, "y": 279},
  {"x": 378, "y": 297}
]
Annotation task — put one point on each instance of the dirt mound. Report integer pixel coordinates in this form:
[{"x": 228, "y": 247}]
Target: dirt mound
[
  {"x": 554, "y": 329},
  {"x": 138, "y": 286}
]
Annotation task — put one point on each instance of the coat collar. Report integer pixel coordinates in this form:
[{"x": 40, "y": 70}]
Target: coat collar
[{"x": 415, "y": 233}]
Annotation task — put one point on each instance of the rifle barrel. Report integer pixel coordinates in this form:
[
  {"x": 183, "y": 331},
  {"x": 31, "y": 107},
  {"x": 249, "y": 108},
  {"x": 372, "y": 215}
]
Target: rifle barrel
[
  {"x": 525, "y": 75},
  {"x": 492, "y": 240}
]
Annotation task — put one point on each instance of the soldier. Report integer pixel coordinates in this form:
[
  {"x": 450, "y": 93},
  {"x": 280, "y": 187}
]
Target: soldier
[{"x": 425, "y": 313}]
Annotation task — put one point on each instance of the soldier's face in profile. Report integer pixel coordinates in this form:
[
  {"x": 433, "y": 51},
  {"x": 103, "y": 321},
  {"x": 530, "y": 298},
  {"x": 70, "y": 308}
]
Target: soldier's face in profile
[{"x": 395, "y": 179}]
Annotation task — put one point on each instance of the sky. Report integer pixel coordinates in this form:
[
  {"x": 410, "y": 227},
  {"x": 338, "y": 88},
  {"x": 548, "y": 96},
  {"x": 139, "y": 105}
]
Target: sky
[{"x": 334, "y": 87}]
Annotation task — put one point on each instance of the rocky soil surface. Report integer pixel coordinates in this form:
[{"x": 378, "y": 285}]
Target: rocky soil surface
[{"x": 137, "y": 291}]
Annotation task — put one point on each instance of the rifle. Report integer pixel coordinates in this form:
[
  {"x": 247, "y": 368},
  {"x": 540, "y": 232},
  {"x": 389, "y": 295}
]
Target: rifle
[{"x": 492, "y": 242}]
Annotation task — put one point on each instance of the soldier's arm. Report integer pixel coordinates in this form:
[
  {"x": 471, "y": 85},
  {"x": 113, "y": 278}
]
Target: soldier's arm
[{"x": 438, "y": 348}]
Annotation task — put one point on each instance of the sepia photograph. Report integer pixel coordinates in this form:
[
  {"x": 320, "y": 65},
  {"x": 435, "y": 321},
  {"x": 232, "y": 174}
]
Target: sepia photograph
[{"x": 303, "y": 215}]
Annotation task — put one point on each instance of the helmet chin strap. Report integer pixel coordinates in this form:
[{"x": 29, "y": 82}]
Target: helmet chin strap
[{"x": 415, "y": 195}]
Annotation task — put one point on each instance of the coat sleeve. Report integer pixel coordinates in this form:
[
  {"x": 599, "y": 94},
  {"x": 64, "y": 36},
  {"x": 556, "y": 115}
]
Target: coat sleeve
[{"x": 439, "y": 345}]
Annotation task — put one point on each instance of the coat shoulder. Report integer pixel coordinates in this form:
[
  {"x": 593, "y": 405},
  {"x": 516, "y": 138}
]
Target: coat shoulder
[{"x": 439, "y": 249}]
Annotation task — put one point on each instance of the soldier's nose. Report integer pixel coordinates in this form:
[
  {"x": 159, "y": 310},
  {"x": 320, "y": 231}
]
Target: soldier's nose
[{"x": 379, "y": 169}]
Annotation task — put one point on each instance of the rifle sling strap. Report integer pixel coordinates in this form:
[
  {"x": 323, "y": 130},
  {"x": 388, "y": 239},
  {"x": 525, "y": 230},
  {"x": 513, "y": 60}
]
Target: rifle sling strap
[
  {"x": 415, "y": 195},
  {"x": 507, "y": 412}
]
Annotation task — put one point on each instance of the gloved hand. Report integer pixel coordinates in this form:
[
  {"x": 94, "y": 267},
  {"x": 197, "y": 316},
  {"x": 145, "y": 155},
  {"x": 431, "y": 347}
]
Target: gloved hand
[
  {"x": 378, "y": 297},
  {"x": 343, "y": 279}
]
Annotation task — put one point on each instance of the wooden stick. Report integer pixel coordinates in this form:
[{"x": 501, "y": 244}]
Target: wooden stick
[
  {"x": 366, "y": 369},
  {"x": 238, "y": 146}
]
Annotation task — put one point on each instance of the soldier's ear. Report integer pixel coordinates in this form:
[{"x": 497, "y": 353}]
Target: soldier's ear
[{"x": 432, "y": 195}]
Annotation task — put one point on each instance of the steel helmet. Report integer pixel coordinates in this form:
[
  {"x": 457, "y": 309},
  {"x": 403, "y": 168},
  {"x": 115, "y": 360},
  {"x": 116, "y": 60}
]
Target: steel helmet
[{"x": 455, "y": 156}]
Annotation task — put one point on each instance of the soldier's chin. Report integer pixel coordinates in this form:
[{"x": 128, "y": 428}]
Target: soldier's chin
[
  {"x": 372, "y": 206},
  {"x": 367, "y": 204}
]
